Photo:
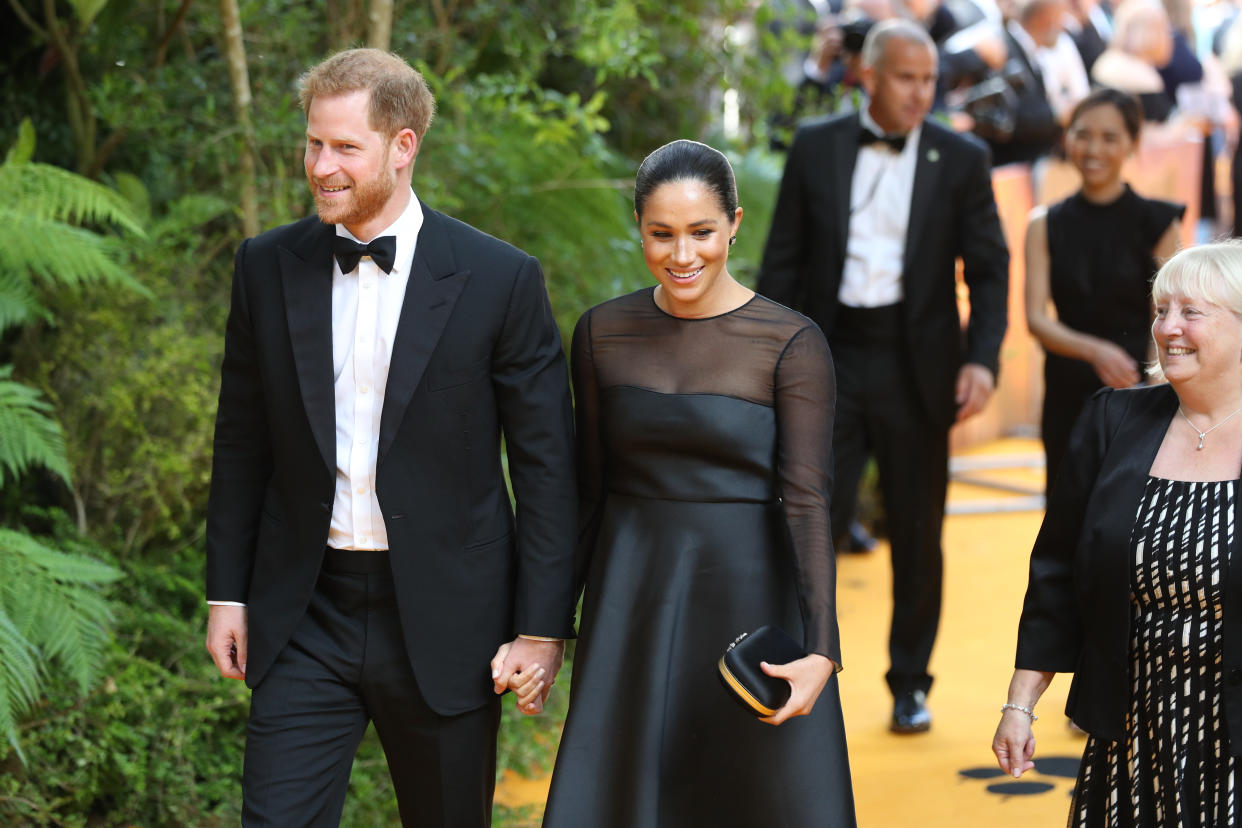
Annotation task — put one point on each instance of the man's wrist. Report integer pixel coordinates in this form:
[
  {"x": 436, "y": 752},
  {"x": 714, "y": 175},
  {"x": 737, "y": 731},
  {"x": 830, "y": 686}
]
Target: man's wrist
[{"x": 545, "y": 638}]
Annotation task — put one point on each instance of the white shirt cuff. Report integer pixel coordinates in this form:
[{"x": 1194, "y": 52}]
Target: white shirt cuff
[{"x": 226, "y": 604}]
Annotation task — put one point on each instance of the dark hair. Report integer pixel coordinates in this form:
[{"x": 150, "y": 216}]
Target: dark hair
[
  {"x": 1128, "y": 105},
  {"x": 682, "y": 161}
]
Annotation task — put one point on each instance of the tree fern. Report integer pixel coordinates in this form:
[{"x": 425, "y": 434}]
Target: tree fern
[
  {"x": 51, "y": 615},
  {"x": 28, "y": 434}
]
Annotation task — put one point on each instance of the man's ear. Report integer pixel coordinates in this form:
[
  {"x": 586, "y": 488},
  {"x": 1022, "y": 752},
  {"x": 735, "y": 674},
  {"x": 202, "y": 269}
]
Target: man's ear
[
  {"x": 405, "y": 146},
  {"x": 866, "y": 77}
]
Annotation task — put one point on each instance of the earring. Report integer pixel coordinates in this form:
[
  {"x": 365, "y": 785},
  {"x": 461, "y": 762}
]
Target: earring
[{"x": 732, "y": 239}]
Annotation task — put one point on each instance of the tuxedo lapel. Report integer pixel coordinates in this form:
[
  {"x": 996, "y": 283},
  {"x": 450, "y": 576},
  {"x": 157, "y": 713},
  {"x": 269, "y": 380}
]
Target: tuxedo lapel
[
  {"x": 433, "y": 289},
  {"x": 927, "y": 178},
  {"x": 306, "y": 273},
  {"x": 843, "y": 154}
]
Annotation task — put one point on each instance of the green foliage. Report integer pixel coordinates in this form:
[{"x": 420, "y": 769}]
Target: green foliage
[
  {"x": 43, "y": 244},
  {"x": 41, "y": 211},
  {"x": 134, "y": 380},
  {"x": 28, "y": 434},
  {"x": 157, "y": 742},
  {"x": 51, "y": 613}
]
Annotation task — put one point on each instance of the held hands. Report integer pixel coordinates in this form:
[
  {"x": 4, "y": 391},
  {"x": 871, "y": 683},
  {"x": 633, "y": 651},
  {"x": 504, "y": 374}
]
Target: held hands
[
  {"x": 528, "y": 668},
  {"x": 1114, "y": 366},
  {"x": 1014, "y": 743},
  {"x": 975, "y": 385},
  {"x": 807, "y": 677},
  {"x": 226, "y": 639}
]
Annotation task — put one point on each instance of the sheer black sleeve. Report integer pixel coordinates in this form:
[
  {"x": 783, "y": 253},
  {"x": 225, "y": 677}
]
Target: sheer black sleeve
[
  {"x": 590, "y": 448},
  {"x": 805, "y": 393}
]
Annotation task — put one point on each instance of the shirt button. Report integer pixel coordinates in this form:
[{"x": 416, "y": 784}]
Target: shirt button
[
  {"x": 368, "y": 285},
  {"x": 362, "y": 389},
  {"x": 1235, "y": 676},
  {"x": 362, "y": 490}
]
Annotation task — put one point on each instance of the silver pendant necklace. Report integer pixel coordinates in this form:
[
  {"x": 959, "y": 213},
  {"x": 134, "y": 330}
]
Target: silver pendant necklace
[{"x": 1203, "y": 434}]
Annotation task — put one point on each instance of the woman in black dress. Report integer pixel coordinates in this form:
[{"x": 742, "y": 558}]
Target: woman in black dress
[
  {"x": 1136, "y": 580},
  {"x": 1089, "y": 260},
  {"x": 704, "y": 426}
]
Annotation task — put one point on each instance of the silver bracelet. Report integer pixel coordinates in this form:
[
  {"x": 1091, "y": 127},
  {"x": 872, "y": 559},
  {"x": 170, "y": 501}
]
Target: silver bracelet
[{"x": 1028, "y": 711}]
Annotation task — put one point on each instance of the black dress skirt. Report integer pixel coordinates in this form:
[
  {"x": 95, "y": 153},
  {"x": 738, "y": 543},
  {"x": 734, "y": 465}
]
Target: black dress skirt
[{"x": 704, "y": 446}]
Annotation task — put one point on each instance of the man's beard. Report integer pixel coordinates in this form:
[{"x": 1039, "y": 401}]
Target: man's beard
[{"x": 365, "y": 200}]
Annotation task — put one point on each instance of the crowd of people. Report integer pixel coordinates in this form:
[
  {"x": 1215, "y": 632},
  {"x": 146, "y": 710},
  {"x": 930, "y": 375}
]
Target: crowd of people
[{"x": 365, "y": 564}]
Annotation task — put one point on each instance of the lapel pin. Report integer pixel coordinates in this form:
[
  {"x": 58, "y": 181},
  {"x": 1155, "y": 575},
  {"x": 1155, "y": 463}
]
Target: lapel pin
[{"x": 933, "y": 155}]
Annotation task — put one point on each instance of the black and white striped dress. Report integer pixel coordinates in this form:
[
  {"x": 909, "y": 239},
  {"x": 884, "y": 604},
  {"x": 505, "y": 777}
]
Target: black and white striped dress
[{"x": 1174, "y": 766}]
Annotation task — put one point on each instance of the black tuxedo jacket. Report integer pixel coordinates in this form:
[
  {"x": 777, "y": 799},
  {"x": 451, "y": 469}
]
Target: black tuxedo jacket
[
  {"x": 952, "y": 214},
  {"x": 476, "y": 353},
  {"x": 1076, "y": 617}
]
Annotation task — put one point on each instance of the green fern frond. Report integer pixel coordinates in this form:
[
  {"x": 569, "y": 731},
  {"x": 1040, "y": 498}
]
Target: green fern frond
[
  {"x": 20, "y": 674},
  {"x": 17, "y": 301},
  {"x": 53, "y": 194},
  {"x": 51, "y": 613},
  {"x": 61, "y": 253},
  {"x": 28, "y": 435}
]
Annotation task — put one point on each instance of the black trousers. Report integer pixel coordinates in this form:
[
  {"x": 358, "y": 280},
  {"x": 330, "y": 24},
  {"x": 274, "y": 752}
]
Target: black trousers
[
  {"x": 345, "y": 666},
  {"x": 879, "y": 413}
]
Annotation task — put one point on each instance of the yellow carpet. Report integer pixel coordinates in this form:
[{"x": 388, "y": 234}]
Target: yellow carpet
[{"x": 946, "y": 778}]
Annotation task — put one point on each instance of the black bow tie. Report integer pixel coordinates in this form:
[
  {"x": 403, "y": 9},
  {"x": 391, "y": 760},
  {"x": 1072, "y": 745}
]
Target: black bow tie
[
  {"x": 866, "y": 138},
  {"x": 383, "y": 251}
]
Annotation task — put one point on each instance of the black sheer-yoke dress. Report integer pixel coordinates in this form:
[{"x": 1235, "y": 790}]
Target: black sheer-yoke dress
[
  {"x": 1101, "y": 262},
  {"x": 704, "y": 457}
]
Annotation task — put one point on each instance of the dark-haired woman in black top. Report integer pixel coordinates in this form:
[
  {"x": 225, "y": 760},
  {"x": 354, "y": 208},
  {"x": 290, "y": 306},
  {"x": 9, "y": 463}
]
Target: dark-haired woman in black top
[
  {"x": 1092, "y": 257},
  {"x": 704, "y": 429}
]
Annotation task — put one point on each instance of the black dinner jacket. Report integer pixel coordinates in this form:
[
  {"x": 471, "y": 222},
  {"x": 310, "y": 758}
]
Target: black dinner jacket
[
  {"x": 952, "y": 214},
  {"x": 476, "y": 352},
  {"x": 1076, "y": 616}
]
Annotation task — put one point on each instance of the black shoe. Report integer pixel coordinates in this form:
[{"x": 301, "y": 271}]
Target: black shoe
[
  {"x": 857, "y": 539},
  {"x": 910, "y": 713}
]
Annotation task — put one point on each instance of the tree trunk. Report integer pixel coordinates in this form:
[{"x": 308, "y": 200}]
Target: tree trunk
[
  {"x": 345, "y": 20},
  {"x": 239, "y": 79},
  {"x": 379, "y": 25}
]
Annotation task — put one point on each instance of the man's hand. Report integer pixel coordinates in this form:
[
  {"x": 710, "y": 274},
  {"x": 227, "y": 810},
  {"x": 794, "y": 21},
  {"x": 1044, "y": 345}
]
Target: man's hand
[
  {"x": 974, "y": 388},
  {"x": 226, "y": 639},
  {"x": 523, "y": 661}
]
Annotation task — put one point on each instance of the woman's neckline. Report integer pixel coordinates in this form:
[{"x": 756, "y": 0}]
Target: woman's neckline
[
  {"x": 651, "y": 296},
  {"x": 1082, "y": 196},
  {"x": 1191, "y": 482}
]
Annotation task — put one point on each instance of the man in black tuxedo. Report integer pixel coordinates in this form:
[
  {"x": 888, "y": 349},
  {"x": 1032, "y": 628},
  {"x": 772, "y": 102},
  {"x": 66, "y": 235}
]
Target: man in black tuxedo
[
  {"x": 874, "y": 210},
  {"x": 1036, "y": 129},
  {"x": 363, "y": 561}
]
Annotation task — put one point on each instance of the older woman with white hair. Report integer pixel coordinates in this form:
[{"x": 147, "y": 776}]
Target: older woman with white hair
[{"x": 1131, "y": 587}]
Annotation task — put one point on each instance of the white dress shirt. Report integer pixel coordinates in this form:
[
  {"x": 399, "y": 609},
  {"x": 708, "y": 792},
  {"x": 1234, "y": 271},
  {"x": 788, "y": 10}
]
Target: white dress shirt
[
  {"x": 880, "y": 194},
  {"x": 366, "y": 304},
  {"x": 1065, "y": 76}
]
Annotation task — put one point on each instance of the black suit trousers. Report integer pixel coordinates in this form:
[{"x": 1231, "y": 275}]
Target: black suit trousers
[
  {"x": 346, "y": 666},
  {"x": 879, "y": 413}
]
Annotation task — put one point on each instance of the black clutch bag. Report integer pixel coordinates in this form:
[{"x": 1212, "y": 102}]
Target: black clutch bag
[{"x": 760, "y": 693}]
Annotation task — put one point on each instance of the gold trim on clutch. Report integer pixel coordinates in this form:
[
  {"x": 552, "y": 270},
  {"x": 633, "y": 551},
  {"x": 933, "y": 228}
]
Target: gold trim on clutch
[{"x": 741, "y": 690}]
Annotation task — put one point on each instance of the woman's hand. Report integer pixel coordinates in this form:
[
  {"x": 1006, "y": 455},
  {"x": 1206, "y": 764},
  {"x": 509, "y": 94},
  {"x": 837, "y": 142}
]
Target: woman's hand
[
  {"x": 1114, "y": 366},
  {"x": 1014, "y": 743},
  {"x": 807, "y": 677},
  {"x": 531, "y": 688}
]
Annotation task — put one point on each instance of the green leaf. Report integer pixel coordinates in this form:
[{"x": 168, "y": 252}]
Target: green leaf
[
  {"x": 86, "y": 10},
  {"x": 28, "y": 434},
  {"x": 23, "y": 150}
]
